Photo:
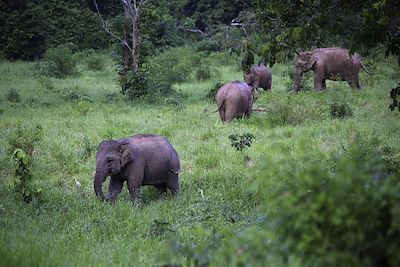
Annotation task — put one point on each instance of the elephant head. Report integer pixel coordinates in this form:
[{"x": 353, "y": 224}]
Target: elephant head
[
  {"x": 249, "y": 77},
  {"x": 111, "y": 157},
  {"x": 305, "y": 61}
]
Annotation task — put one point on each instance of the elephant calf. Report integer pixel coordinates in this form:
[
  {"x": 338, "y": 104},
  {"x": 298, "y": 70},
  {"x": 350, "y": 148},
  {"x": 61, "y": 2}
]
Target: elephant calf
[
  {"x": 258, "y": 76},
  {"x": 138, "y": 160},
  {"x": 328, "y": 63},
  {"x": 234, "y": 100}
]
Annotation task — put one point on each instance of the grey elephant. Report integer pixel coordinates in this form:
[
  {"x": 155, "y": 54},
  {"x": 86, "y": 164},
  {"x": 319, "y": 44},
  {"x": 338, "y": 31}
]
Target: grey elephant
[
  {"x": 138, "y": 160},
  {"x": 328, "y": 63},
  {"x": 258, "y": 76},
  {"x": 234, "y": 100}
]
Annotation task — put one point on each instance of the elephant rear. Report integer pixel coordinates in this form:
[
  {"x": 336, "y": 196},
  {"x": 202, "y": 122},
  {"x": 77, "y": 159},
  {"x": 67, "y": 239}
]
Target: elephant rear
[{"x": 234, "y": 100}]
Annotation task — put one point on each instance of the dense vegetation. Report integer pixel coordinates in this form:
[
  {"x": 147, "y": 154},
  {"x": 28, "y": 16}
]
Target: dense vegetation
[
  {"x": 315, "y": 181},
  {"x": 311, "y": 179}
]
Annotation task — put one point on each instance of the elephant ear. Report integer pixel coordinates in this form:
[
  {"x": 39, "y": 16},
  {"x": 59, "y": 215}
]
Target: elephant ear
[
  {"x": 126, "y": 154},
  {"x": 311, "y": 62}
]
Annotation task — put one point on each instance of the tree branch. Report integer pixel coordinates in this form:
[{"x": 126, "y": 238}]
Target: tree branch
[
  {"x": 194, "y": 30},
  {"x": 105, "y": 27}
]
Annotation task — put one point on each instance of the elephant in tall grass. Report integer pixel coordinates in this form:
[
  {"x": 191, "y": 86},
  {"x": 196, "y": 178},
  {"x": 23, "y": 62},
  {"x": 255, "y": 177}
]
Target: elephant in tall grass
[
  {"x": 138, "y": 160},
  {"x": 328, "y": 63},
  {"x": 258, "y": 76},
  {"x": 234, "y": 100}
]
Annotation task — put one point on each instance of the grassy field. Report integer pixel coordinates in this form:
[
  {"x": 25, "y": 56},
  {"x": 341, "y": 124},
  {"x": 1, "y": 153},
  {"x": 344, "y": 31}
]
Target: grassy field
[{"x": 220, "y": 195}]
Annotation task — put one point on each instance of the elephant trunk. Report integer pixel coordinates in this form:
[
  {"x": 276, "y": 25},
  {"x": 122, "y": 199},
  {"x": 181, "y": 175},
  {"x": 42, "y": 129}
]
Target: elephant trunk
[
  {"x": 297, "y": 76},
  {"x": 98, "y": 182}
]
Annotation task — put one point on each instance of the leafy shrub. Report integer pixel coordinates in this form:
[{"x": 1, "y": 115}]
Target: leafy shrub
[
  {"x": 60, "y": 62},
  {"x": 340, "y": 110},
  {"x": 21, "y": 144},
  {"x": 173, "y": 66},
  {"x": 47, "y": 83},
  {"x": 240, "y": 141},
  {"x": 74, "y": 94},
  {"x": 320, "y": 213},
  {"x": 214, "y": 89},
  {"x": 133, "y": 83},
  {"x": 13, "y": 96}
]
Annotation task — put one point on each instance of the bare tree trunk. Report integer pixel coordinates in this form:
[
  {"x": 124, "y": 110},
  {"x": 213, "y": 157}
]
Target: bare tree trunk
[{"x": 135, "y": 41}]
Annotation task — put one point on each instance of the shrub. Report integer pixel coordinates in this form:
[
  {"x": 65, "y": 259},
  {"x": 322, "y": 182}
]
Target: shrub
[
  {"x": 320, "y": 213},
  {"x": 173, "y": 66},
  {"x": 59, "y": 62},
  {"x": 214, "y": 89},
  {"x": 340, "y": 110},
  {"x": 21, "y": 144},
  {"x": 240, "y": 141},
  {"x": 13, "y": 96},
  {"x": 133, "y": 83}
]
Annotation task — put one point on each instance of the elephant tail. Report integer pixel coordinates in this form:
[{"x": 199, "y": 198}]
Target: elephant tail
[{"x": 219, "y": 106}]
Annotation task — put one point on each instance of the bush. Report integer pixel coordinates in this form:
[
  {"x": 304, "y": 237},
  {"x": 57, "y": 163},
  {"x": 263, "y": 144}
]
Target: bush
[
  {"x": 173, "y": 66},
  {"x": 340, "y": 110},
  {"x": 59, "y": 62},
  {"x": 320, "y": 213},
  {"x": 22, "y": 143},
  {"x": 13, "y": 96},
  {"x": 133, "y": 83},
  {"x": 214, "y": 89}
]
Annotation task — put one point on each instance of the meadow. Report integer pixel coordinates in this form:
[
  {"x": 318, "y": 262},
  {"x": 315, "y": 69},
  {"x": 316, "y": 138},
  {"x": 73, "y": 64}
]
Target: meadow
[{"x": 226, "y": 201}]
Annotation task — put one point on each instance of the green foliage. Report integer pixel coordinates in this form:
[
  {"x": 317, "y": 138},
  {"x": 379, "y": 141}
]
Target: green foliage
[
  {"x": 22, "y": 143},
  {"x": 134, "y": 84},
  {"x": 59, "y": 62},
  {"x": 173, "y": 66},
  {"x": 319, "y": 213},
  {"x": 214, "y": 89},
  {"x": 329, "y": 23},
  {"x": 13, "y": 96},
  {"x": 240, "y": 141},
  {"x": 340, "y": 110},
  {"x": 394, "y": 94},
  {"x": 95, "y": 61}
]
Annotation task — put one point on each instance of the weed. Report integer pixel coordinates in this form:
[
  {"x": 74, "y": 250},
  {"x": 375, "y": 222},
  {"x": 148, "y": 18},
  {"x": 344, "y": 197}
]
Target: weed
[
  {"x": 240, "y": 141},
  {"x": 13, "y": 96},
  {"x": 340, "y": 110},
  {"x": 214, "y": 89}
]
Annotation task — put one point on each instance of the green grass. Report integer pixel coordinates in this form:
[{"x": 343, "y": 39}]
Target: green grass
[{"x": 72, "y": 228}]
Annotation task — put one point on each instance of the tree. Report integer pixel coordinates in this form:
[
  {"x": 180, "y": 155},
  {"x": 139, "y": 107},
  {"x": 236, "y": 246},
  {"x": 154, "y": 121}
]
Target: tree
[
  {"x": 357, "y": 24},
  {"x": 132, "y": 13}
]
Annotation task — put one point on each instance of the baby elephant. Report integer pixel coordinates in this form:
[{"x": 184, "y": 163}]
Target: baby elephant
[
  {"x": 258, "y": 76},
  {"x": 235, "y": 100},
  {"x": 138, "y": 160}
]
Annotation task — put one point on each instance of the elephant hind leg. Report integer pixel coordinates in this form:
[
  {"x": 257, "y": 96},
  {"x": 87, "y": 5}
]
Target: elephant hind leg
[
  {"x": 162, "y": 189},
  {"x": 355, "y": 84},
  {"x": 173, "y": 183}
]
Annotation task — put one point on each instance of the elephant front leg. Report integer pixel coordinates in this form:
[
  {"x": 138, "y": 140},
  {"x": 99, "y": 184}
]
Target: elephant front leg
[
  {"x": 134, "y": 192},
  {"x": 114, "y": 188},
  {"x": 319, "y": 81}
]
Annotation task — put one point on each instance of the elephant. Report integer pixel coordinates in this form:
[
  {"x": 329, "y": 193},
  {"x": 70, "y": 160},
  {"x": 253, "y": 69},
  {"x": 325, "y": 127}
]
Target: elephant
[
  {"x": 258, "y": 76},
  {"x": 235, "y": 100},
  {"x": 328, "y": 63},
  {"x": 139, "y": 160}
]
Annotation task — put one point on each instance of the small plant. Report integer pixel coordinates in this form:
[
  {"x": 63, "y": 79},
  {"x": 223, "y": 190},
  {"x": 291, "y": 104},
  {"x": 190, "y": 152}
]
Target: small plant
[
  {"x": 83, "y": 106},
  {"x": 22, "y": 145},
  {"x": 340, "y": 110},
  {"x": 13, "y": 96},
  {"x": 214, "y": 89},
  {"x": 240, "y": 141}
]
